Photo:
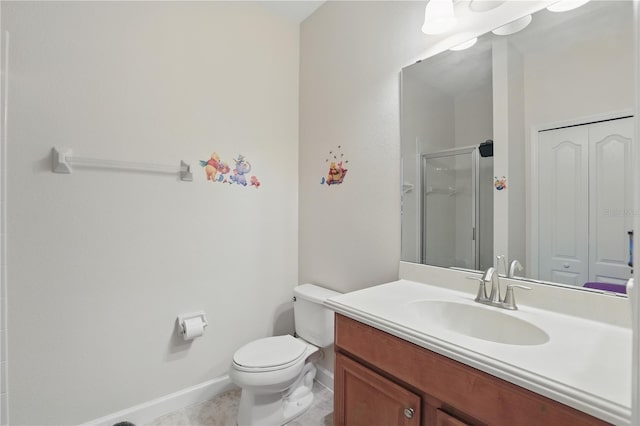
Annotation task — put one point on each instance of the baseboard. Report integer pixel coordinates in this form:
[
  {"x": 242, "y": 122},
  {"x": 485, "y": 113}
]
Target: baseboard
[
  {"x": 324, "y": 377},
  {"x": 148, "y": 411}
]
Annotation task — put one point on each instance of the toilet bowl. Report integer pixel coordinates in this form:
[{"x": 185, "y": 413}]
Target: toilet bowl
[
  {"x": 278, "y": 388},
  {"x": 276, "y": 373}
]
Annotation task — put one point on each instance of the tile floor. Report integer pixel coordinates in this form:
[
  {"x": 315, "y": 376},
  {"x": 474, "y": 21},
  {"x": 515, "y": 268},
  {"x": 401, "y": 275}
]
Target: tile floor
[{"x": 223, "y": 411}]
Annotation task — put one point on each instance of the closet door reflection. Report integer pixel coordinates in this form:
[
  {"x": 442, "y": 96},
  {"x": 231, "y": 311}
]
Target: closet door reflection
[
  {"x": 586, "y": 210},
  {"x": 450, "y": 208}
]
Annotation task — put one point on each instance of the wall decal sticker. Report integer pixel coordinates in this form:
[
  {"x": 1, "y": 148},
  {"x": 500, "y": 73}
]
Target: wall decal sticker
[
  {"x": 217, "y": 170},
  {"x": 242, "y": 167},
  {"x": 500, "y": 184},
  {"x": 336, "y": 173},
  {"x": 337, "y": 167},
  {"x": 213, "y": 166}
]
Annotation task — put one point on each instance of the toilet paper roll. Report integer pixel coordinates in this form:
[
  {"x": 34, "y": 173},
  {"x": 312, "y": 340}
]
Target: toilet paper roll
[{"x": 192, "y": 328}]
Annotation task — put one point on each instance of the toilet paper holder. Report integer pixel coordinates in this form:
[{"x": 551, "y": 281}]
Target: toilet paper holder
[{"x": 183, "y": 317}]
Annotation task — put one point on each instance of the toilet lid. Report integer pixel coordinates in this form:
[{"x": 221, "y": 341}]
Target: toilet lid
[{"x": 269, "y": 352}]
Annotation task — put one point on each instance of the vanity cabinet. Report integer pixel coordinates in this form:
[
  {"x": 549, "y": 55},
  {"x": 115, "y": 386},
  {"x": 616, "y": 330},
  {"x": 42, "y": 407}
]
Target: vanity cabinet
[{"x": 382, "y": 380}]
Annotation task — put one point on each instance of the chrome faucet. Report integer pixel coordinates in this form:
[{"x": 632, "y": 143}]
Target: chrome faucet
[
  {"x": 494, "y": 299},
  {"x": 488, "y": 276},
  {"x": 515, "y": 265}
]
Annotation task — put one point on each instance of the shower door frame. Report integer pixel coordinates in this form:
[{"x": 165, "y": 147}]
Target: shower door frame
[{"x": 475, "y": 200}]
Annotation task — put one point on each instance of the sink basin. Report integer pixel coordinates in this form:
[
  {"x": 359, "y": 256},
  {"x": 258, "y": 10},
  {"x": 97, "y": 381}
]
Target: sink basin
[{"x": 477, "y": 321}]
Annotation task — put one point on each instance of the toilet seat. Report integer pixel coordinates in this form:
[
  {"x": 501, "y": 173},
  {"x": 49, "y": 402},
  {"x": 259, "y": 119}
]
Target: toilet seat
[{"x": 269, "y": 354}]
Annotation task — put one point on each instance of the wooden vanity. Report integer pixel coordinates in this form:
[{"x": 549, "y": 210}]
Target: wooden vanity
[{"x": 382, "y": 380}]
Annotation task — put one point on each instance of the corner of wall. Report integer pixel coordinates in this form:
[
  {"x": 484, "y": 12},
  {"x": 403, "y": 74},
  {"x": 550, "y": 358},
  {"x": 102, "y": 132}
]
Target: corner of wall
[{"x": 4, "y": 414}]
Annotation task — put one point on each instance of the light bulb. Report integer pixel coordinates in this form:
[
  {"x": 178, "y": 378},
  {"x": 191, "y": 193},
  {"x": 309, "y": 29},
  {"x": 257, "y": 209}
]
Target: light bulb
[{"x": 438, "y": 17}]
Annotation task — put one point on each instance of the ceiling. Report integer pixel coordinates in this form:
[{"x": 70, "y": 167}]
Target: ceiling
[{"x": 294, "y": 10}]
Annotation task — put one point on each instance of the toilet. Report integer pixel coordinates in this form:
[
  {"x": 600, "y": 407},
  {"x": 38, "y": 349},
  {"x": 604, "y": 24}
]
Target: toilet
[{"x": 276, "y": 373}]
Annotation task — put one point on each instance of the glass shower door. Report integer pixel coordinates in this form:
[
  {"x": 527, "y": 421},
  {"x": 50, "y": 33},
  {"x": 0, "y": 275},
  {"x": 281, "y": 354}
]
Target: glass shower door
[{"x": 449, "y": 208}]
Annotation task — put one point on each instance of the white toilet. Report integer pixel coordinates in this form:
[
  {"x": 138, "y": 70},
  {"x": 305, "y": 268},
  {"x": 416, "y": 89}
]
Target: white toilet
[{"x": 276, "y": 373}]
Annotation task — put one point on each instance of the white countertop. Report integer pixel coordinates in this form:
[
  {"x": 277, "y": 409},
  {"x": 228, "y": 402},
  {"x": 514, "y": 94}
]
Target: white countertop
[{"x": 585, "y": 364}]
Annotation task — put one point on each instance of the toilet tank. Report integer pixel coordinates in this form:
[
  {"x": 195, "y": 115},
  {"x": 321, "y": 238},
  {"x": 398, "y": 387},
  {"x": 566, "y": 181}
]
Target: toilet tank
[{"x": 313, "y": 321}]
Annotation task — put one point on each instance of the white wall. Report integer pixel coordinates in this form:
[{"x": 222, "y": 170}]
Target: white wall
[
  {"x": 556, "y": 93},
  {"x": 351, "y": 56},
  {"x": 474, "y": 116},
  {"x": 101, "y": 262}
]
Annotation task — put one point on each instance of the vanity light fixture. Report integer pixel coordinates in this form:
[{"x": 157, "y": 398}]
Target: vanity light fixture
[
  {"x": 438, "y": 17},
  {"x": 513, "y": 26},
  {"x": 465, "y": 45},
  {"x": 565, "y": 5}
]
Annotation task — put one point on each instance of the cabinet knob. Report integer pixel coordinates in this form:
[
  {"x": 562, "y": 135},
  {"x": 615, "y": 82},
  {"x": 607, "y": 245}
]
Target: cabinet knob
[{"x": 408, "y": 413}]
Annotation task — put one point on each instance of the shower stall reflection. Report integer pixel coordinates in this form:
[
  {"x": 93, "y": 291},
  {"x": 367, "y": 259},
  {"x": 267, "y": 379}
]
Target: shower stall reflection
[{"x": 457, "y": 209}]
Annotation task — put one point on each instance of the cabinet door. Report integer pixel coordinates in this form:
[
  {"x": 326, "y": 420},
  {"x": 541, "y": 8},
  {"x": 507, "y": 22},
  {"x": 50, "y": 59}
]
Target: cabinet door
[
  {"x": 363, "y": 397},
  {"x": 444, "y": 419}
]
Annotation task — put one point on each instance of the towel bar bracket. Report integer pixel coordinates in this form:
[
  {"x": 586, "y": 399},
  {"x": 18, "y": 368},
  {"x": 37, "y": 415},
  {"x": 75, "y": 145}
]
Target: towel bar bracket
[{"x": 60, "y": 163}]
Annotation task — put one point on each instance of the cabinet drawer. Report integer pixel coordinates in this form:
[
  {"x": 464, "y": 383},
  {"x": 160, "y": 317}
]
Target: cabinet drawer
[{"x": 481, "y": 396}]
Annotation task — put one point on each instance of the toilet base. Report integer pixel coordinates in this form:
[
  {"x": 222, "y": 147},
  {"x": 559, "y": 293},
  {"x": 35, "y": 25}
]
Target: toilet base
[{"x": 276, "y": 409}]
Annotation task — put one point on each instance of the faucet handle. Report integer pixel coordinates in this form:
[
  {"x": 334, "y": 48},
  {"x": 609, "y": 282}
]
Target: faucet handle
[
  {"x": 509, "y": 299},
  {"x": 482, "y": 289},
  {"x": 501, "y": 260}
]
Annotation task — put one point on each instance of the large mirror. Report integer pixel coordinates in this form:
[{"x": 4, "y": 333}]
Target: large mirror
[{"x": 519, "y": 148}]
